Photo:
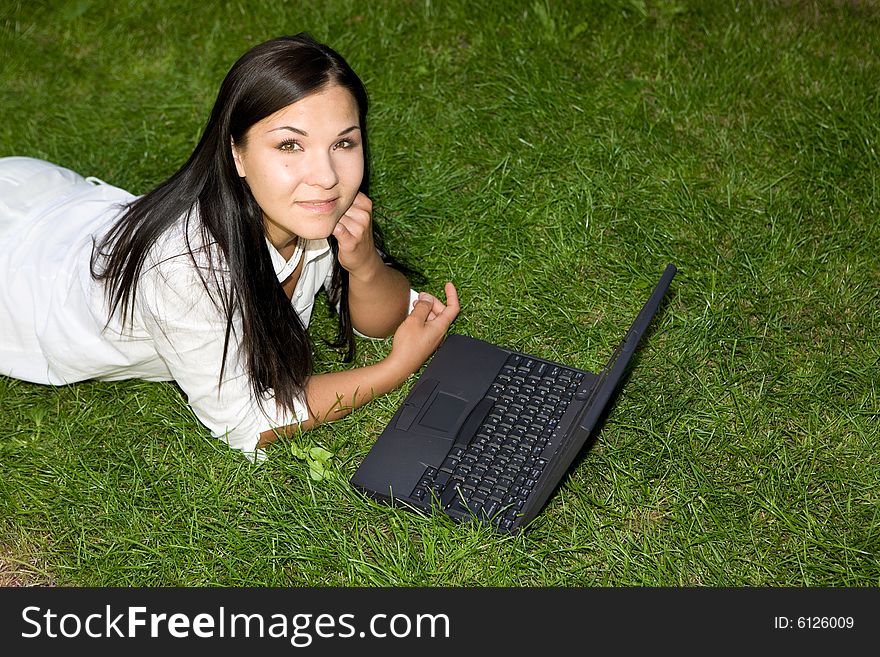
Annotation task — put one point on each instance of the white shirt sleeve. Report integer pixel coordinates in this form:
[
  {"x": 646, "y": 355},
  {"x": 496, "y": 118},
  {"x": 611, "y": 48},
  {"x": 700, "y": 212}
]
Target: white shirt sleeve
[{"x": 189, "y": 332}]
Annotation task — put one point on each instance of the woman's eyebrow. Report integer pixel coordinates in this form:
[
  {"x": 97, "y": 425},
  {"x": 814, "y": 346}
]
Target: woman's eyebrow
[{"x": 306, "y": 134}]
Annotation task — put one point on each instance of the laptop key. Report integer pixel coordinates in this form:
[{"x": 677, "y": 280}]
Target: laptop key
[
  {"x": 450, "y": 493},
  {"x": 457, "y": 507},
  {"x": 490, "y": 508},
  {"x": 441, "y": 479},
  {"x": 449, "y": 464}
]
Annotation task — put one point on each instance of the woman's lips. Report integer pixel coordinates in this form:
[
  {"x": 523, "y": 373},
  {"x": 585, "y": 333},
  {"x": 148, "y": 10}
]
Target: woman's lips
[{"x": 319, "y": 206}]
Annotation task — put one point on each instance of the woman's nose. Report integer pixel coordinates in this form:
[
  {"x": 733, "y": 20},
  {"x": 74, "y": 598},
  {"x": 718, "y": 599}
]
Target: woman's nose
[{"x": 322, "y": 171}]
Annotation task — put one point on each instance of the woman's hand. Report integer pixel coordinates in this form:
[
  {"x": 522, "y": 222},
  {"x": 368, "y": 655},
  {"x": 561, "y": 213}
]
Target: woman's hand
[
  {"x": 423, "y": 330},
  {"x": 354, "y": 234}
]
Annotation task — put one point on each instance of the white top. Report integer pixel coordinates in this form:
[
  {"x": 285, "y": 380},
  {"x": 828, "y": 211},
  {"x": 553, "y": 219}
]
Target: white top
[{"x": 53, "y": 313}]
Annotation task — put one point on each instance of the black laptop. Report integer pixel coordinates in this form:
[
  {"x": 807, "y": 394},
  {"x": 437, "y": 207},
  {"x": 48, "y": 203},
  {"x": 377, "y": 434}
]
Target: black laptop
[{"x": 487, "y": 433}]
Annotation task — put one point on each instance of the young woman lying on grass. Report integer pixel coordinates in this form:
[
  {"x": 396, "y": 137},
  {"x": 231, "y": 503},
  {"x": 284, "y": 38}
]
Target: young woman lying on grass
[{"x": 209, "y": 279}]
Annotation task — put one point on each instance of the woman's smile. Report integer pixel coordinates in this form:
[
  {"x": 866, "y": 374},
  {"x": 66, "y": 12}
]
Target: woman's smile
[{"x": 319, "y": 206}]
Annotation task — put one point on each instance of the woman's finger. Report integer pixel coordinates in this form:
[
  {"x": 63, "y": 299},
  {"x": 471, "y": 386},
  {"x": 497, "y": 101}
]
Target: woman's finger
[
  {"x": 343, "y": 235},
  {"x": 421, "y": 310},
  {"x": 452, "y": 303}
]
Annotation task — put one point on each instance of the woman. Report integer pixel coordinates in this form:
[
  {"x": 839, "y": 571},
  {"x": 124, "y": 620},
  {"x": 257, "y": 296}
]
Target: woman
[{"x": 210, "y": 278}]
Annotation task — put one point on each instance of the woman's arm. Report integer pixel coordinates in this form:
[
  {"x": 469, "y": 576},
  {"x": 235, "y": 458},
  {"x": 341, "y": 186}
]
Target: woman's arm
[
  {"x": 378, "y": 295},
  {"x": 334, "y": 395}
]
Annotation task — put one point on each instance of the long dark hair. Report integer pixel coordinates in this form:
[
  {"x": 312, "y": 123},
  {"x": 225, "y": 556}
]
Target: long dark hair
[{"x": 275, "y": 345}]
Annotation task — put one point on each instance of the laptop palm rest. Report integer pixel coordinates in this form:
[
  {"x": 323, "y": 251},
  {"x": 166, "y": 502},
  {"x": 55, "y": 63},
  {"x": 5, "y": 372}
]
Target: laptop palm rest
[{"x": 423, "y": 429}]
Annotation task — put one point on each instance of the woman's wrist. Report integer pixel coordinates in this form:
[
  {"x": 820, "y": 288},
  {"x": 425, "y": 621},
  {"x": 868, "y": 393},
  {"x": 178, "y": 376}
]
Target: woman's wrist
[
  {"x": 396, "y": 370},
  {"x": 367, "y": 272}
]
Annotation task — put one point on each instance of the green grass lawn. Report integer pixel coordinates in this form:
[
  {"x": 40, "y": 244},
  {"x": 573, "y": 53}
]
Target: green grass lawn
[{"x": 550, "y": 158}]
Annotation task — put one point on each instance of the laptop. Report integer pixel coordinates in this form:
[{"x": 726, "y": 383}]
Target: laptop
[{"x": 488, "y": 433}]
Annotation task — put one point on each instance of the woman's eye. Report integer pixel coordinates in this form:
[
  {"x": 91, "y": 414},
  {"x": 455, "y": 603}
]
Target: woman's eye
[
  {"x": 345, "y": 143},
  {"x": 290, "y": 145}
]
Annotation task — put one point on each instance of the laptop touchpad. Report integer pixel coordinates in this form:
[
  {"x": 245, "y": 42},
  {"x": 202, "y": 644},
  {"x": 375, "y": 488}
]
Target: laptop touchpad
[{"x": 444, "y": 413}]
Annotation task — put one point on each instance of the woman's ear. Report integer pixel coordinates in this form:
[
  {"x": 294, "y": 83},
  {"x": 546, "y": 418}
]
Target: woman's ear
[{"x": 236, "y": 156}]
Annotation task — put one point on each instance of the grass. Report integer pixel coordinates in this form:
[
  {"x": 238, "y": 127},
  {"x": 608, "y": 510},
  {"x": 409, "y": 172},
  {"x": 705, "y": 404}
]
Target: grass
[{"x": 550, "y": 158}]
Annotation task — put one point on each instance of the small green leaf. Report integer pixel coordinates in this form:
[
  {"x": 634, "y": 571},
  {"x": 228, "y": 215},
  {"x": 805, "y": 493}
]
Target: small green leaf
[
  {"x": 316, "y": 470},
  {"x": 320, "y": 454}
]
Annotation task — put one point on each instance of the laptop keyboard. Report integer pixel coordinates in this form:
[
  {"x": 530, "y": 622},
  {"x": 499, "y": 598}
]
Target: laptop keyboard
[{"x": 493, "y": 475}]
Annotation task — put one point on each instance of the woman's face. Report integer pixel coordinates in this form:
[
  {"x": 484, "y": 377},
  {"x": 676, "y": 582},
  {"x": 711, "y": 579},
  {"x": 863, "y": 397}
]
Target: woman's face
[{"x": 304, "y": 165}]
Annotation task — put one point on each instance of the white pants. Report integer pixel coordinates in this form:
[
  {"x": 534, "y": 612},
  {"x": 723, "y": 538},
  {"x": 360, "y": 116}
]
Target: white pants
[{"x": 26, "y": 183}]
